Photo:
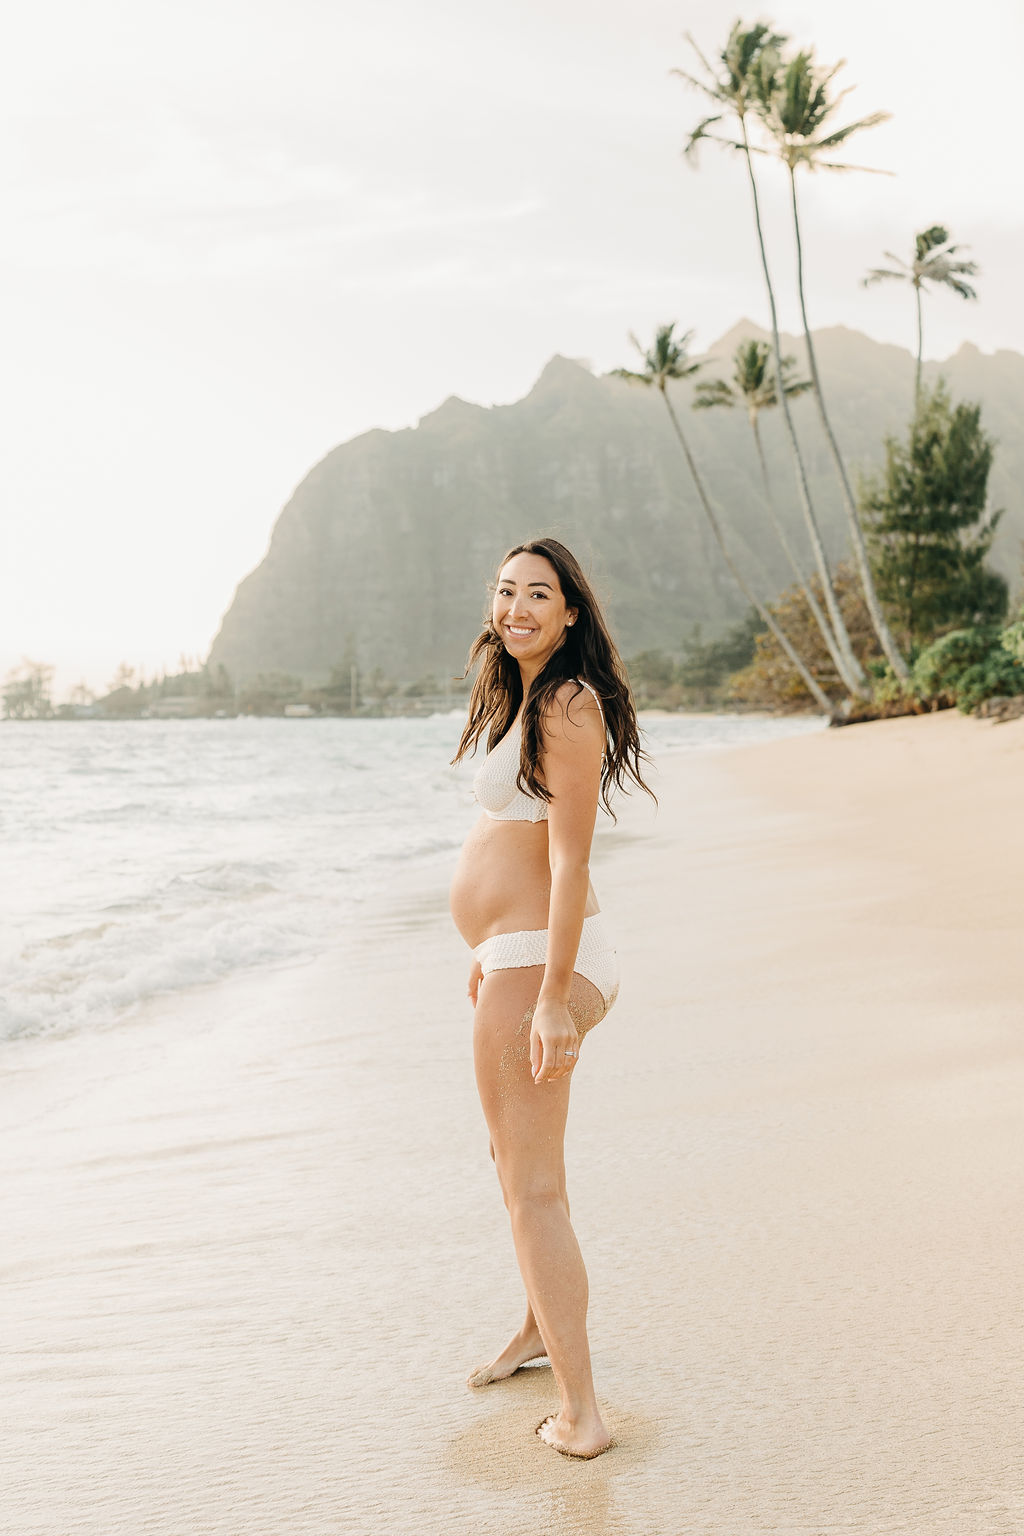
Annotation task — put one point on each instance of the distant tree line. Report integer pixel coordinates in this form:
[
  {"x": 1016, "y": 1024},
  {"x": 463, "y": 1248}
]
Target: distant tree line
[
  {"x": 699, "y": 676},
  {"x": 200, "y": 691}
]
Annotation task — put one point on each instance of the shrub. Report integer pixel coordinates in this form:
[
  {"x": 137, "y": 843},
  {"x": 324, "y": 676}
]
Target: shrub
[
  {"x": 1013, "y": 640},
  {"x": 770, "y": 681},
  {"x": 966, "y": 667},
  {"x": 929, "y": 524}
]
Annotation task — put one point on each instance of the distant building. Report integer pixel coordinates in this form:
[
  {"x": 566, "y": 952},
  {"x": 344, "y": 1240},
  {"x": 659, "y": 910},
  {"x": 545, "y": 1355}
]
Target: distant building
[{"x": 180, "y": 706}]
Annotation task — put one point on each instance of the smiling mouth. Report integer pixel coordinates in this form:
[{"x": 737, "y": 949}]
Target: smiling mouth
[{"x": 520, "y": 633}]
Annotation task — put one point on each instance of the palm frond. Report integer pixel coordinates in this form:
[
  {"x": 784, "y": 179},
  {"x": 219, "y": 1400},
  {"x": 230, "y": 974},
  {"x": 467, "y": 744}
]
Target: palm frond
[
  {"x": 689, "y": 37},
  {"x": 940, "y": 269},
  {"x": 699, "y": 134},
  {"x": 827, "y": 75},
  {"x": 833, "y": 140},
  {"x": 794, "y": 387},
  {"x": 879, "y": 274},
  {"x": 837, "y": 165},
  {"x": 765, "y": 78},
  {"x": 698, "y": 85},
  {"x": 930, "y": 239},
  {"x": 714, "y": 392},
  {"x": 938, "y": 261},
  {"x": 743, "y": 61},
  {"x": 963, "y": 289},
  {"x": 631, "y": 377},
  {"x": 744, "y": 50},
  {"x": 935, "y": 261},
  {"x": 698, "y": 137},
  {"x": 667, "y": 358},
  {"x": 796, "y": 110}
]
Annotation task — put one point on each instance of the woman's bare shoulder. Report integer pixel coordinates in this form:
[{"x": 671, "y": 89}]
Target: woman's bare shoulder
[{"x": 573, "y": 703}]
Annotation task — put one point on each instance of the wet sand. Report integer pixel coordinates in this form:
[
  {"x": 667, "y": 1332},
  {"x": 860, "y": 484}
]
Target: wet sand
[{"x": 252, "y": 1241}]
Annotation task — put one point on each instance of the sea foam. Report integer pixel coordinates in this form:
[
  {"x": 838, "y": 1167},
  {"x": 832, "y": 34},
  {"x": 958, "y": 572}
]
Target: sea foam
[{"x": 142, "y": 857}]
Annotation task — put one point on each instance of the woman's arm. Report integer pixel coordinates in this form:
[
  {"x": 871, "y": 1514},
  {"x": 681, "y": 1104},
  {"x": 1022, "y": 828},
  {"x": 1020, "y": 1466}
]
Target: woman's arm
[{"x": 573, "y": 744}]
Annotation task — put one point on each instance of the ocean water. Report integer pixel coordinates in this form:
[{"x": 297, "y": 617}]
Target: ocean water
[{"x": 142, "y": 857}]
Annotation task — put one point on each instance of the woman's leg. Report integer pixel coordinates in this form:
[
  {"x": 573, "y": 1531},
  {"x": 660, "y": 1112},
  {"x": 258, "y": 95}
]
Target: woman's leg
[{"x": 527, "y": 1125}]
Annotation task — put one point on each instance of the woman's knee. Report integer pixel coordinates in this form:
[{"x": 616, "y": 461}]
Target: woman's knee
[
  {"x": 535, "y": 1204},
  {"x": 525, "y": 1190}
]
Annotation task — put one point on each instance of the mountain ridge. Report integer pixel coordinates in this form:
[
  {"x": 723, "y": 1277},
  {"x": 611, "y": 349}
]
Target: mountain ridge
[{"x": 382, "y": 554}]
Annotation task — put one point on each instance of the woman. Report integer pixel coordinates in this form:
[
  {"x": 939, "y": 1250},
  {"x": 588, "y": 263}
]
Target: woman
[{"x": 552, "y": 696}]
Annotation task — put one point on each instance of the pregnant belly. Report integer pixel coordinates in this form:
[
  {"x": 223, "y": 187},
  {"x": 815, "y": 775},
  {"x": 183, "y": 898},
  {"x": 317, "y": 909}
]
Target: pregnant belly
[{"x": 502, "y": 882}]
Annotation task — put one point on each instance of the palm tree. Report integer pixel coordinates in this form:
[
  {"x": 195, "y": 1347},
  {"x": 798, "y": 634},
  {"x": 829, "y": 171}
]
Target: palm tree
[
  {"x": 667, "y": 360},
  {"x": 750, "y": 62},
  {"x": 753, "y": 385},
  {"x": 795, "y": 105},
  {"x": 935, "y": 261}
]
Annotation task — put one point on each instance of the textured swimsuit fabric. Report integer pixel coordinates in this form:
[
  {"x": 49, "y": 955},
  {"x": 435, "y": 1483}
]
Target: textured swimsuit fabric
[
  {"x": 595, "y": 959},
  {"x": 495, "y": 784}
]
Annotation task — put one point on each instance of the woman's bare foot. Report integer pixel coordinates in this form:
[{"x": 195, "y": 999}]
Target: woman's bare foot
[
  {"x": 523, "y": 1348},
  {"x": 585, "y": 1438}
]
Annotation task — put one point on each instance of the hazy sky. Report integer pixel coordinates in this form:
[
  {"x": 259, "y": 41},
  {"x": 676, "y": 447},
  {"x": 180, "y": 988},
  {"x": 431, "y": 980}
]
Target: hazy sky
[{"x": 239, "y": 232}]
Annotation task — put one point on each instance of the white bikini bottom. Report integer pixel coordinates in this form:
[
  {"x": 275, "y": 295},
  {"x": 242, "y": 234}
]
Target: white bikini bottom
[{"x": 595, "y": 958}]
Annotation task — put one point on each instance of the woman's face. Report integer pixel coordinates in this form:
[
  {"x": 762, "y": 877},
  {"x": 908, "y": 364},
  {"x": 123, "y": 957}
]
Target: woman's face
[{"x": 529, "y": 611}]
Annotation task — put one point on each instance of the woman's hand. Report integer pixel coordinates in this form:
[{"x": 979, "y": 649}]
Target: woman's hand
[
  {"x": 476, "y": 976},
  {"x": 554, "y": 1042}
]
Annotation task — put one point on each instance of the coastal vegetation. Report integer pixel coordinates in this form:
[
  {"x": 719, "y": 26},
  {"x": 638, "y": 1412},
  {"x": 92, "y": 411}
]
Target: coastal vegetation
[
  {"x": 198, "y": 691},
  {"x": 912, "y": 620},
  {"x": 930, "y": 523},
  {"x": 668, "y": 360},
  {"x": 27, "y": 692},
  {"x": 695, "y": 678},
  {"x": 700, "y": 678},
  {"x": 742, "y": 87},
  {"x": 930, "y": 526}
]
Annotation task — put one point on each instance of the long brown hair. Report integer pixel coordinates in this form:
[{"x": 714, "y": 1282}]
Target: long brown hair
[{"x": 588, "y": 651}]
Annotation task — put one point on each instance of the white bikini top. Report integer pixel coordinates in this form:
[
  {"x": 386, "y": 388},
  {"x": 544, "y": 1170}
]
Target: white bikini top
[{"x": 494, "y": 783}]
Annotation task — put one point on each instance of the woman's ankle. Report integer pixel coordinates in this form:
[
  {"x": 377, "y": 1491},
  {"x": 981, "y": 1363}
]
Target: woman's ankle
[{"x": 580, "y": 1414}]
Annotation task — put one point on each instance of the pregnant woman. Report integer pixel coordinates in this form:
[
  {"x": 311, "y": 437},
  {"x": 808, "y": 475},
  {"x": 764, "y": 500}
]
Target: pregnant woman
[{"x": 552, "y": 699}]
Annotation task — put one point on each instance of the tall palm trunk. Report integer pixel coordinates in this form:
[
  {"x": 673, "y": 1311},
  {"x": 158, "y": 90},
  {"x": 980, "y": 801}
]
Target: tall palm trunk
[
  {"x": 851, "y": 672},
  {"x": 920, "y": 349},
  {"x": 860, "y": 549},
  {"x": 810, "y": 682},
  {"x": 812, "y": 602}
]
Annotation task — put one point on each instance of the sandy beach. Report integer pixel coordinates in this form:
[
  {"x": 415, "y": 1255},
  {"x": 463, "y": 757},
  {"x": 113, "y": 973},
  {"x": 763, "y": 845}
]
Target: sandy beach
[{"x": 247, "y": 1265}]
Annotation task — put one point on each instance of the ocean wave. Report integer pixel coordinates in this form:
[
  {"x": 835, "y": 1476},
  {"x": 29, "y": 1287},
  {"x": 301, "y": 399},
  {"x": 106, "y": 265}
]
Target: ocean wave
[
  {"x": 92, "y": 978},
  {"x": 150, "y": 857},
  {"x": 182, "y": 857}
]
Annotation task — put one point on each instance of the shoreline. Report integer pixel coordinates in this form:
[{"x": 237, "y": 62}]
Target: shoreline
[
  {"x": 454, "y": 711},
  {"x": 256, "y": 1240}
]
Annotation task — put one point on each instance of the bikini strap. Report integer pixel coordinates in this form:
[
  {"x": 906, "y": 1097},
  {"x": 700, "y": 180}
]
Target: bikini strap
[{"x": 584, "y": 684}]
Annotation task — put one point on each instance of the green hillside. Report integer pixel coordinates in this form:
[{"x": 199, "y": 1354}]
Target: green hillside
[{"x": 382, "y": 553}]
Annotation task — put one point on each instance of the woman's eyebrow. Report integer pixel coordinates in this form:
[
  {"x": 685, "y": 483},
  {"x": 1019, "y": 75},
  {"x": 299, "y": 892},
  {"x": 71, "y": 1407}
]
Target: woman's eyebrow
[{"x": 505, "y": 582}]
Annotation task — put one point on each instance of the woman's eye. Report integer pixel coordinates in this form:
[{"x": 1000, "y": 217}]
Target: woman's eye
[{"x": 537, "y": 595}]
